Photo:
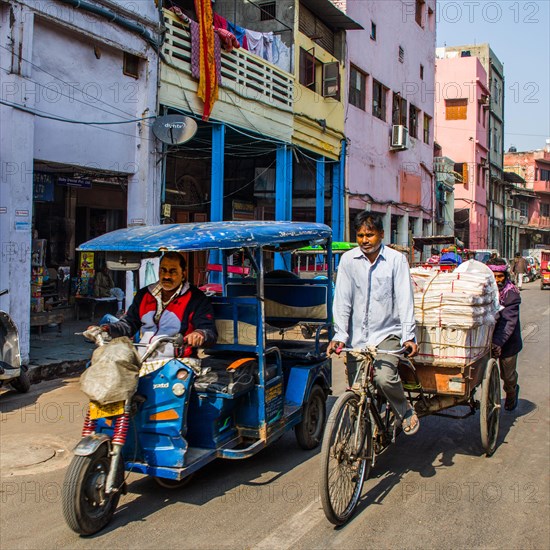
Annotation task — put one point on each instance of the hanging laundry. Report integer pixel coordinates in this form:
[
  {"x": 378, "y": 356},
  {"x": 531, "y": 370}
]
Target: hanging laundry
[
  {"x": 195, "y": 51},
  {"x": 255, "y": 42},
  {"x": 239, "y": 33},
  {"x": 228, "y": 40},
  {"x": 208, "y": 80},
  {"x": 282, "y": 54},
  {"x": 267, "y": 39},
  {"x": 220, "y": 22}
]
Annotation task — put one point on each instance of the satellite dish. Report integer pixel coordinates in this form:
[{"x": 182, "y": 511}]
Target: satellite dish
[{"x": 174, "y": 129}]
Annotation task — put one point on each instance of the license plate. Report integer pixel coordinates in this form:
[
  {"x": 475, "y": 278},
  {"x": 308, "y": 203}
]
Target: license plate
[{"x": 103, "y": 411}]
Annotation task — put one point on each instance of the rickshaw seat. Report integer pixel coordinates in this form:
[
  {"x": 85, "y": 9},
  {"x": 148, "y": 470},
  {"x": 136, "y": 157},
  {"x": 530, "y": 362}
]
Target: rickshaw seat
[{"x": 222, "y": 379}]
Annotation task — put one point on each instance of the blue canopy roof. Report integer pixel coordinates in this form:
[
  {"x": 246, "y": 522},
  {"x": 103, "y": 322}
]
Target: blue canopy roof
[{"x": 205, "y": 236}]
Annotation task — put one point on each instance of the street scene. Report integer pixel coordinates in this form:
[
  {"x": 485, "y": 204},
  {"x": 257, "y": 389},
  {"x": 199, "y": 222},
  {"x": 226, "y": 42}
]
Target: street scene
[{"x": 274, "y": 274}]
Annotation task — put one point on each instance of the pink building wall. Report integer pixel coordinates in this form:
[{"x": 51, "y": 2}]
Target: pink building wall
[
  {"x": 375, "y": 175},
  {"x": 465, "y": 141}
]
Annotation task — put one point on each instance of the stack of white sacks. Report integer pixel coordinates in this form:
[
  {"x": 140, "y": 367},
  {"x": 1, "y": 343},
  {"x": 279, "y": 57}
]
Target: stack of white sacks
[{"x": 455, "y": 313}]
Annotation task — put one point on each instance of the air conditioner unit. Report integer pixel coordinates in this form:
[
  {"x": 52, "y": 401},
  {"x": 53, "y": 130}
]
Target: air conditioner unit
[
  {"x": 510, "y": 202},
  {"x": 484, "y": 162},
  {"x": 399, "y": 137}
]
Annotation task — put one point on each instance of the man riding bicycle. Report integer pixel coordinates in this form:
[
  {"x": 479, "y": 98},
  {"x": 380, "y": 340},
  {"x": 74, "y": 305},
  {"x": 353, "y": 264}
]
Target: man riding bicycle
[{"x": 374, "y": 305}]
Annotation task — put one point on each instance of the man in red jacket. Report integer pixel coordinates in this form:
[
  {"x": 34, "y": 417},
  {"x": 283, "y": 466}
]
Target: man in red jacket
[
  {"x": 170, "y": 306},
  {"x": 507, "y": 342}
]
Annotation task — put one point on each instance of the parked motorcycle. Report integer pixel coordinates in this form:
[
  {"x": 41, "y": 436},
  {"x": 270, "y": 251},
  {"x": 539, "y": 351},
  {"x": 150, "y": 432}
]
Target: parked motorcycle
[{"x": 11, "y": 370}]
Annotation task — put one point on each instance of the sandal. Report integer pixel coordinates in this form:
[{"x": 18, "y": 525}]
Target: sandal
[
  {"x": 406, "y": 424},
  {"x": 512, "y": 400}
]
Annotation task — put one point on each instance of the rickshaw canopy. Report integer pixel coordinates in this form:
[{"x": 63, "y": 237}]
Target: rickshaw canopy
[{"x": 224, "y": 235}]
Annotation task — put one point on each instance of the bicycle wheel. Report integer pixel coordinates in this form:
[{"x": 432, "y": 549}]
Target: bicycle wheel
[{"x": 345, "y": 458}]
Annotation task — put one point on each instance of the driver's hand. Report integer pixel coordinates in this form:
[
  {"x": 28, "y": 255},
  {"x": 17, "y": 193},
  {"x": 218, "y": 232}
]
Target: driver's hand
[
  {"x": 497, "y": 350},
  {"x": 335, "y": 347},
  {"x": 195, "y": 339},
  {"x": 412, "y": 348}
]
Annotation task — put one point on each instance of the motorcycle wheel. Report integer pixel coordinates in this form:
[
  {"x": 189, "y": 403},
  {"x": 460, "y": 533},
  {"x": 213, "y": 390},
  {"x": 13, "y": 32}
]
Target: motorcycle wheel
[
  {"x": 22, "y": 383},
  {"x": 86, "y": 508}
]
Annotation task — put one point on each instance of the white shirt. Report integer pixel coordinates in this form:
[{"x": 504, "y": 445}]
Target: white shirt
[{"x": 373, "y": 300}]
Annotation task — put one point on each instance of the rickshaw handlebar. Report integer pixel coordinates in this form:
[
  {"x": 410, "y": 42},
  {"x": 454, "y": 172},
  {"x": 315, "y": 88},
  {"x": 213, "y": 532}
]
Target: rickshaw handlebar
[{"x": 373, "y": 350}]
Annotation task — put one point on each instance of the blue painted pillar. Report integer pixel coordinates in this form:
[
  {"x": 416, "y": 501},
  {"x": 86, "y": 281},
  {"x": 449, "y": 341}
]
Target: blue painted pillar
[
  {"x": 216, "y": 188},
  {"x": 320, "y": 191},
  {"x": 283, "y": 195},
  {"x": 338, "y": 196}
]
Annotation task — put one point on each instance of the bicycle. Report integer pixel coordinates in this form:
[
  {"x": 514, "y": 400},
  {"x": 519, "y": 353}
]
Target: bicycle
[{"x": 361, "y": 426}]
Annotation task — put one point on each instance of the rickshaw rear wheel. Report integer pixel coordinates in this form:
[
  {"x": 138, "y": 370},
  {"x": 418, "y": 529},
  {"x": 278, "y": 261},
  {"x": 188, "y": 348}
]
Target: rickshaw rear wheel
[
  {"x": 173, "y": 484},
  {"x": 86, "y": 507},
  {"x": 344, "y": 464},
  {"x": 310, "y": 430},
  {"x": 490, "y": 407}
]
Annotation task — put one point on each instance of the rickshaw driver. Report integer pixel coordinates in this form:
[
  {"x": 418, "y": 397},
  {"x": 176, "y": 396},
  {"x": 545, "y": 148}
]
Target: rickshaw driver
[
  {"x": 374, "y": 305},
  {"x": 167, "y": 307}
]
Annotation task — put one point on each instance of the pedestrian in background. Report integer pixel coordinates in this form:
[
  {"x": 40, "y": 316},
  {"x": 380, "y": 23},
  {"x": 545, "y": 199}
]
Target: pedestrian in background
[
  {"x": 519, "y": 269},
  {"x": 507, "y": 342}
]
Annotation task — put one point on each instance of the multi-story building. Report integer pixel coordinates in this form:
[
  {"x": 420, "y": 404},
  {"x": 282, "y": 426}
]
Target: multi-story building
[
  {"x": 531, "y": 198},
  {"x": 274, "y": 146},
  {"x": 495, "y": 137},
  {"x": 389, "y": 115},
  {"x": 445, "y": 180},
  {"x": 77, "y": 154},
  {"x": 461, "y": 131}
]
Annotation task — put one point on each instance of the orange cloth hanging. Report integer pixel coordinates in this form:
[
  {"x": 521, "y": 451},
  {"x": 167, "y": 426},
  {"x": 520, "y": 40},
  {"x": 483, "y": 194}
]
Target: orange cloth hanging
[{"x": 208, "y": 81}]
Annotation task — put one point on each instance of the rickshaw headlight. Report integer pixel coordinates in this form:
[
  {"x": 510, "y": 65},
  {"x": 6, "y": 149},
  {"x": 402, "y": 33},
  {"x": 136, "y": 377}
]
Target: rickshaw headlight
[
  {"x": 182, "y": 374},
  {"x": 178, "y": 389}
]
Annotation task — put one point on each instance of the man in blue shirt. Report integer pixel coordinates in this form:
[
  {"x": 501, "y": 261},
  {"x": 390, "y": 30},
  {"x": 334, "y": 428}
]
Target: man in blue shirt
[{"x": 374, "y": 305}]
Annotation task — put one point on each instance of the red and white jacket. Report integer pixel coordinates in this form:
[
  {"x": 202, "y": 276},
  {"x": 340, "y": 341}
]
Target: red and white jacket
[{"x": 188, "y": 310}]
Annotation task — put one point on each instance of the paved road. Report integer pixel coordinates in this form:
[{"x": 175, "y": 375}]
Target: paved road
[{"x": 435, "y": 489}]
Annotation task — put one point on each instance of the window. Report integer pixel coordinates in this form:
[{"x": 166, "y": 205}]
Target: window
[
  {"x": 421, "y": 72},
  {"x": 130, "y": 65},
  {"x": 455, "y": 109},
  {"x": 357, "y": 87},
  {"x": 413, "y": 121},
  {"x": 379, "y": 92},
  {"x": 307, "y": 69},
  {"x": 267, "y": 11},
  {"x": 401, "y": 54},
  {"x": 419, "y": 13},
  {"x": 427, "y": 120},
  {"x": 496, "y": 92},
  {"x": 331, "y": 80},
  {"x": 544, "y": 175},
  {"x": 523, "y": 209},
  {"x": 399, "y": 110},
  {"x": 545, "y": 210},
  {"x": 495, "y": 142},
  {"x": 373, "y": 30}
]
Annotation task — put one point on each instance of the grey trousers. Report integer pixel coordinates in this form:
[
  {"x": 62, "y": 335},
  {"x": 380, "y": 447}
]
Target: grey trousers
[
  {"x": 508, "y": 372},
  {"x": 386, "y": 376}
]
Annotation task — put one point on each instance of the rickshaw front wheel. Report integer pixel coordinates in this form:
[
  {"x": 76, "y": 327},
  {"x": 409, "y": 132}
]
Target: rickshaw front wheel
[{"x": 310, "y": 430}]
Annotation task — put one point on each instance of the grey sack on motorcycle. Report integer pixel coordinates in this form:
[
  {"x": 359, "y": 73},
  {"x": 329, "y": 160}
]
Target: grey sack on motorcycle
[{"x": 113, "y": 375}]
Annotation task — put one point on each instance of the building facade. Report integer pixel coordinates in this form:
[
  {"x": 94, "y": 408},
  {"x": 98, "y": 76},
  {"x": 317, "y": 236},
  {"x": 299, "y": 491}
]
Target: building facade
[
  {"x": 495, "y": 82},
  {"x": 461, "y": 130},
  {"x": 389, "y": 115},
  {"x": 530, "y": 196},
  {"x": 76, "y": 148}
]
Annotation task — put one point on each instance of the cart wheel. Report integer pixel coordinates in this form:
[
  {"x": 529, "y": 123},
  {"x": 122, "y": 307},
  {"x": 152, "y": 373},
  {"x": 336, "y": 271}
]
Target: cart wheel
[
  {"x": 310, "y": 430},
  {"x": 345, "y": 458},
  {"x": 490, "y": 407}
]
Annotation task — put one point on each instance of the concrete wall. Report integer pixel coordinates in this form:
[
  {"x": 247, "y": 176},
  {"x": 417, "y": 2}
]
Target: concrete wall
[
  {"x": 73, "y": 69},
  {"x": 465, "y": 140},
  {"x": 372, "y": 168}
]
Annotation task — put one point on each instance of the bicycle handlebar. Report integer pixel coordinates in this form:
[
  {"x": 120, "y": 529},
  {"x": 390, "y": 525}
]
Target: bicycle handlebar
[{"x": 374, "y": 350}]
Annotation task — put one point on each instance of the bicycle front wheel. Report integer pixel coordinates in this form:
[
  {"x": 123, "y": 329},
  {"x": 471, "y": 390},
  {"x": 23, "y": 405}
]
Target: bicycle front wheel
[{"x": 345, "y": 458}]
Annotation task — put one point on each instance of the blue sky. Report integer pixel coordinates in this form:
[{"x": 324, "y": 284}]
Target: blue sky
[{"x": 519, "y": 34}]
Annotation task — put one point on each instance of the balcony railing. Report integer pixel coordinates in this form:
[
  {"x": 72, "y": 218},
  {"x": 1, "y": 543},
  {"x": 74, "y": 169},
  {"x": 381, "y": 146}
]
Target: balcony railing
[
  {"x": 244, "y": 73},
  {"x": 523, "y": 220},
  {"x": 512, "y": 215}
]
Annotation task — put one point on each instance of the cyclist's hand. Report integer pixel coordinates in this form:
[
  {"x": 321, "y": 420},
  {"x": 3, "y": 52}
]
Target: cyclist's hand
[
  {"x": 335, "y": 347},
  {"x": 412, "y": 348},
  {"x": 497, "y": 350}
]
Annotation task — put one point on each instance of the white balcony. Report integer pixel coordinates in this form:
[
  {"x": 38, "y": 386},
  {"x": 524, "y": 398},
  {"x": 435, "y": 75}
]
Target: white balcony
[
  {"x": 523, "y": 220},
  {"x": 512, "y": 215},
  {"x": 253, "y": 93}
]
